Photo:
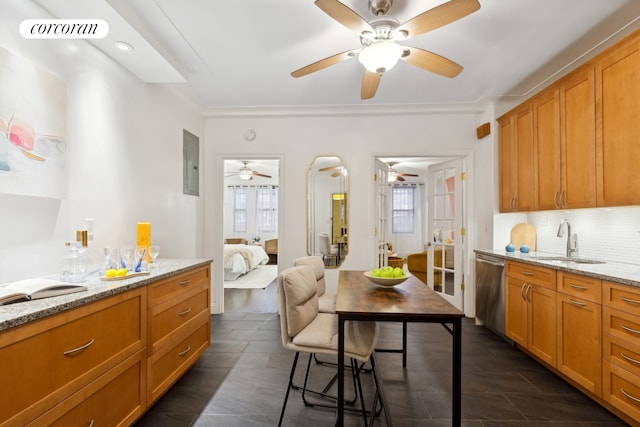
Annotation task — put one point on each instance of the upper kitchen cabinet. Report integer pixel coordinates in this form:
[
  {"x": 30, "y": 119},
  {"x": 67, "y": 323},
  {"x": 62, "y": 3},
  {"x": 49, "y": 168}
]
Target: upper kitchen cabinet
[
  {"x": 546, "y": 122},
  {"x": 618, "y": 126},
  {"x": 516, "y": 161},
  {"x": 564, "y": 141},
  {"x": 582, "y": 134},
  {"x": 508, "y": 169},
  {"x": 578, "y": 140}
]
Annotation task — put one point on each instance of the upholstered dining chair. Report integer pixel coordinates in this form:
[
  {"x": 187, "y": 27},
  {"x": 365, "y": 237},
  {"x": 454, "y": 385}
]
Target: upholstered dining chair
[
  {"x": 305, "y": 330},
  {"x": 330, "y": 253},
  {"x": 326, "y": 300}
]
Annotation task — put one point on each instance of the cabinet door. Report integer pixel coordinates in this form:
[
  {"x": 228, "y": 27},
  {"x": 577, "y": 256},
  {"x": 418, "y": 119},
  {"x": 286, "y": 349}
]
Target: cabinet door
[
  {"x": 578, "y": 140},
  {"x": 524, "y": 137},
  {"x": 508, "y": 169},
  {"x": 618, "y": 132},
  {"x": 542, "y": 323},
  {"x": 579, "y": 342},
  {"x": 546, "y": 118},
  {"x": 516, "y": 311}
]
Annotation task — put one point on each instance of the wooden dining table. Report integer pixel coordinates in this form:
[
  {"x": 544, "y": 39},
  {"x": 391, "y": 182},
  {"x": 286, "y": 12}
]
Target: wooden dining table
[{"x": 359, "y": 298}]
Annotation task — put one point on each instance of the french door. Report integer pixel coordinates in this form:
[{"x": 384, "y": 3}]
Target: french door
[
  {"x": 381, "y": 212},
  {"x": 446, "y": 230}
]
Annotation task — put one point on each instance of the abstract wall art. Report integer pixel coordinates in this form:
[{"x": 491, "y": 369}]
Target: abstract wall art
[{"x": 33, "y": 118}]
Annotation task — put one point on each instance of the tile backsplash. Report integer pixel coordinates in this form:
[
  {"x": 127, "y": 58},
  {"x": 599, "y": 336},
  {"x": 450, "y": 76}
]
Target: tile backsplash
[{"x": 611, "y": 234}]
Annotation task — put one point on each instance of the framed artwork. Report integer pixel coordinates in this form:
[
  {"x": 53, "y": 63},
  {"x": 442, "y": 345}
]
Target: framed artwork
[{"x": 33, "y": 117}]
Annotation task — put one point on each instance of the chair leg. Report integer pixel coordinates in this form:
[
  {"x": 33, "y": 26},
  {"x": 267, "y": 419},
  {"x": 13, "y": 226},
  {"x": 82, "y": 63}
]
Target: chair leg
[
  {"x": 354, "y": 366},
  {"x": 322, "y": 393},
  {"x": 379, "y": 396},
  {"x": 286, "y": 395}
]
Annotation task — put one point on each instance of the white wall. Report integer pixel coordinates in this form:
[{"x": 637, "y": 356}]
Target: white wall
[
  {"x": 124, "y": 160},
  {"x": 357, "y": 138}
]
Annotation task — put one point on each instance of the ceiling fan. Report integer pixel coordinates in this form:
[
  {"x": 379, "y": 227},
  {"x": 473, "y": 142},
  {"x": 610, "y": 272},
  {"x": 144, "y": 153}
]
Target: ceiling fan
[
  {"x": 379, "y": 51},
  {"x": 393, "y": 175},
  {"x": 337, "y": 170},
  {"x": 246, "y": 173}
]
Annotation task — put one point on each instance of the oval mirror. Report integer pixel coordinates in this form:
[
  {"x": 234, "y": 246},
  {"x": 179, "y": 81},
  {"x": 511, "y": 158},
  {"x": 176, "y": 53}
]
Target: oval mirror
[{"x": 327, "y": 210}]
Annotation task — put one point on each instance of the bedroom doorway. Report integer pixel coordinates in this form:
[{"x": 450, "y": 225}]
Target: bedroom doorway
[{"x": 250, "y": 234}]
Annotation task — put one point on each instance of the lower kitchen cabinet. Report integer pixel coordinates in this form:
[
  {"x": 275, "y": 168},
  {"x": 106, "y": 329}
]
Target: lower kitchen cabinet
[
  {"x": 49, "y": 360},
  {"x": 580, "y": 330},
  {"x": 179, "y": 328},
  {"x": 585, "y": 329},
  {"x": 530, "y": 309},
  {"x": 621, "y": 348},
  {"x": 579, "y": 347},
  {"x": 105, "y": 362},
  {"x": 120, "y": 387}
]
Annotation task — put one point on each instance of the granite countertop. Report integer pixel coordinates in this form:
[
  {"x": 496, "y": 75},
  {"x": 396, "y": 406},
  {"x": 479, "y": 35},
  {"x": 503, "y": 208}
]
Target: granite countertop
[
  {"x": 627, "y": 274},
  {"x": 18, "y": 313}
]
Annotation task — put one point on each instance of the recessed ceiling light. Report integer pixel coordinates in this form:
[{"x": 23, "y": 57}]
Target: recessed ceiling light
[{"x": 126, "y": 47}]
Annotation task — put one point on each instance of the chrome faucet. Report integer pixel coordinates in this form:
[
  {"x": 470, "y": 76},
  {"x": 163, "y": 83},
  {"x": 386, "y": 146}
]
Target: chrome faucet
[{"x": 572, "y": 239}]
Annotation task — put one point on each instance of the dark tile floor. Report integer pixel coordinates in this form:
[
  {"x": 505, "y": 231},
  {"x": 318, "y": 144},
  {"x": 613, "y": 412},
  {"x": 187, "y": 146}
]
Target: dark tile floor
[{"x": 241, "y": 381}]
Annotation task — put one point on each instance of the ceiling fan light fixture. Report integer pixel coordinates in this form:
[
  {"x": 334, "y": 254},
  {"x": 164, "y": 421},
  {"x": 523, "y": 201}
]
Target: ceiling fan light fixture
[
  {"x": 380, "y": 56},
  {"x": 392, "y": 176},
  {"x": 245, "y": 173}
]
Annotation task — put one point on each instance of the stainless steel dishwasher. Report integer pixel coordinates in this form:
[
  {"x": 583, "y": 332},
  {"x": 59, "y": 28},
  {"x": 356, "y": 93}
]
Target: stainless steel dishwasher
[{"x": 490, "y": 292}]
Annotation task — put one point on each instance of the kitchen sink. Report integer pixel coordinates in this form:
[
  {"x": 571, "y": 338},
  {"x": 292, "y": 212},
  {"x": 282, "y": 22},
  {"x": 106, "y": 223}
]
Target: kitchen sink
[{"x": 569, "y": 259}]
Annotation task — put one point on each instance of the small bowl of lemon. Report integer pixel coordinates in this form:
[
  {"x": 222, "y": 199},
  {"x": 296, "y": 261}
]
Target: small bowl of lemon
[{"x": 387, "y": 276}]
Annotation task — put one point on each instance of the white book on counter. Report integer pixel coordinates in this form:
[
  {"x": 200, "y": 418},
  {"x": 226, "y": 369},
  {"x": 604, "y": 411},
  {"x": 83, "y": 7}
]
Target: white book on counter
[{"x": 30, "y": 289}]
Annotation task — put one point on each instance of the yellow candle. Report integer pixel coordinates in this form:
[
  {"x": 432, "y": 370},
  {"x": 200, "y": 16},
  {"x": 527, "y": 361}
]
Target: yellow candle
[{"x": 144, "y": 236}]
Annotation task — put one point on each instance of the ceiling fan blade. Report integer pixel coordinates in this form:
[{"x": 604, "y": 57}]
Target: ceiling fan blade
[
  {"x": 408, "y": 174},
  {"x": 399, "y": 178},
  {"x": 438, "y": 17},
  {"x": 344, "y": 15},
  {"x": 328, "y": 168},
  {"x": 261, "y": 174},
  {"x": 430, "y": 61},
  {"x": 370, "y": 82},
  {"x": 324, "y": 63},
  {"x": 336, "y": 173}
]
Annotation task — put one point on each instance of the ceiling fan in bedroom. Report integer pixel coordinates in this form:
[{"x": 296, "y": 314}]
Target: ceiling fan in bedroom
[
  {"x": 336, "y": 170},
  {"x": 246, "y": 173},
  {"x": 379, "y": 38},
  {"x": 393, "y": 175}
]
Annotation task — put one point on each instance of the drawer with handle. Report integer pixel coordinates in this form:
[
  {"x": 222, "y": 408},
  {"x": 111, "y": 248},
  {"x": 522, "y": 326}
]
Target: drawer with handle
[
  {"x": 588, "y": 288},
  {"x": 122, "y": 388},
  {"x": 621, "y": 353},
  {"x": 621, "y": 389},
  {"x": 170, "y": 362},
  {"x": 167, "y": 319},
  {"x": 56, "y": 356},
  {"x": 622, "y": 297},
  {"x": 621, "y": 325},
  {"x": 169, "y": 288},
  {"x": 531, "y": 274}
]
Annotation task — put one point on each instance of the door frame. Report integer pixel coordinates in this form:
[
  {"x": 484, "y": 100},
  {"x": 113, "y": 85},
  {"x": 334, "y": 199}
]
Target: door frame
[
  {"x": 217, "y": 275},
  {"x": 468, "y": 255}
]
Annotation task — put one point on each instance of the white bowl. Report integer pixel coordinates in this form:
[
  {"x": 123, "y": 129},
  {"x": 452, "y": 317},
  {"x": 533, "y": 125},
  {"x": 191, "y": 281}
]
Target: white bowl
[{"x": 386, "y": 281}]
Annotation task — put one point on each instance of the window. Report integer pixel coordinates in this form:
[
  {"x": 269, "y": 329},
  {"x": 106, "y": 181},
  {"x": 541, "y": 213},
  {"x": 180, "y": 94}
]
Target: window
[
  {"x": 403, "y": 209},
  {"x": 267, "y": 209},
  {"x": 240, "y": 209}
]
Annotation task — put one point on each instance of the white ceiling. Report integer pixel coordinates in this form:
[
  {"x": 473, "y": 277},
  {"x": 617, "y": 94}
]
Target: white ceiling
[{"x": 240, "y": 53}]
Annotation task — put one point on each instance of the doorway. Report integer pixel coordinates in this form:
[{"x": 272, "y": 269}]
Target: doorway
[
  {"x": 421, "y": 219},
  {"x": 250, "y": 236}
]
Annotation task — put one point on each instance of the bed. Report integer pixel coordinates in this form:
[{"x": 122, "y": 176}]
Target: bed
[{"x": 240, "y": 259}]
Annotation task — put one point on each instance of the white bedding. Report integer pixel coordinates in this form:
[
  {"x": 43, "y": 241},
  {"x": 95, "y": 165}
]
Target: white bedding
[{"x": 240, "y": 259}]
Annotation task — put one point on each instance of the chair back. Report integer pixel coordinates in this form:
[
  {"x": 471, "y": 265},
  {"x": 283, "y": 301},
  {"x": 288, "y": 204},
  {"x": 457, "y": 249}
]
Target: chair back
[
  {"x": 297, "y": 300},
  {"x": 317, "y": 264},
  {"x": 324, "y": 245}
]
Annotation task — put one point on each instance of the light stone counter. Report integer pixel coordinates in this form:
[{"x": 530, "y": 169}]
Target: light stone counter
[
  {"x": 15, "y": 314},
  {"x": 627, "y": 274}
]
